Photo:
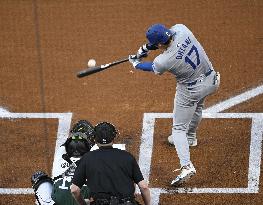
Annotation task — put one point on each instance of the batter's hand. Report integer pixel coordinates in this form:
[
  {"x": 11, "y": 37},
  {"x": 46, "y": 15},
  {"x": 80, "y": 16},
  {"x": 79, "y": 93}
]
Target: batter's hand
[
  {"x": 142, "y": 52},
  {"x": 134, "y": 60}
]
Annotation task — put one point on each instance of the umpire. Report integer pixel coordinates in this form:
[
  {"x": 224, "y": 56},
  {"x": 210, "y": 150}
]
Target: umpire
[{"x": 110, "y": 173}]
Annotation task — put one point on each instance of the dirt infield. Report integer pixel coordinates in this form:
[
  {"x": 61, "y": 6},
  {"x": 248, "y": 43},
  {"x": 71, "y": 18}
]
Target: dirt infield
[{"x": 45, "y": 43}]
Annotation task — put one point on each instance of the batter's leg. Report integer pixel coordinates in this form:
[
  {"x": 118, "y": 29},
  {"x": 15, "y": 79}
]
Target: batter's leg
[
  {"x": 197, "y": 117},
  {"x": 182, "y": 118}
]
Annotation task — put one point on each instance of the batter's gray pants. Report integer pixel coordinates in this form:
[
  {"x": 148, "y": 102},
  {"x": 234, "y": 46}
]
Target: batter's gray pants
[{"x": 187, "y": 114}]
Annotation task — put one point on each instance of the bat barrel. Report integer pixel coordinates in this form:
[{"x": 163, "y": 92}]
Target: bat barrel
[
  {"x": 81, "y": 74},
  {"x": 90, "y": 71}
]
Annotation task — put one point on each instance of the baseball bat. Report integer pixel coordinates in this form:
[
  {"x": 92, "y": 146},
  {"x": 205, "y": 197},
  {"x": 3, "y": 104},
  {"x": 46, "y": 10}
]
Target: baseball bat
[{"x": 100, "y": 68}]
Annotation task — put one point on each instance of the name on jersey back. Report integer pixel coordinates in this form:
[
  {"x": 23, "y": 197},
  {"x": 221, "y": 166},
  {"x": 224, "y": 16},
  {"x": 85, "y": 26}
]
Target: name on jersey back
[{"x": 182, "y": 48}]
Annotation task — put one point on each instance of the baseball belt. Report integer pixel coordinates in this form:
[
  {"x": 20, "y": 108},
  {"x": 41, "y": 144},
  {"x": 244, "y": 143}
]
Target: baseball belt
[
  {"x": 113, "y": 200},
  {"x": 206, "y": 74}
]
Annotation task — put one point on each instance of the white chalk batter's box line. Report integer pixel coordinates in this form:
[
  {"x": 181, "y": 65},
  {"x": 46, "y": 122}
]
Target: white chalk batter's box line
[
  {"x": 64, "y": 121},
  {"x": 146, "y": 150}
]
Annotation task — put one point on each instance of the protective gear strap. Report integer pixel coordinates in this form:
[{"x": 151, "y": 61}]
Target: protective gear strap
[{"x": 145, "y": 66}]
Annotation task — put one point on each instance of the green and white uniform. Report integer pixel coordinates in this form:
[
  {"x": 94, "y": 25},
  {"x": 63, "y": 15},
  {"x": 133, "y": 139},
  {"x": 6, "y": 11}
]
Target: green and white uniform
[{"x": 61, "y": 193}]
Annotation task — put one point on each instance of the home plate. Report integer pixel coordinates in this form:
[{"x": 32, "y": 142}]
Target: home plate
[{"x": 119, "y": 146}]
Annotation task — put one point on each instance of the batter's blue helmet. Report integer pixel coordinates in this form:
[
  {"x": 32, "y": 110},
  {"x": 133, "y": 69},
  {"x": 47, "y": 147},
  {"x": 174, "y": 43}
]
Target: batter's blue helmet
[{"x": 158, "y": 33}]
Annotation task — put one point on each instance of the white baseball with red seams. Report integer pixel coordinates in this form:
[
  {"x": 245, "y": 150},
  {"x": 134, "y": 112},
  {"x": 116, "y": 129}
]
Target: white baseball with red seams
[{"x": 91, "y": 63}]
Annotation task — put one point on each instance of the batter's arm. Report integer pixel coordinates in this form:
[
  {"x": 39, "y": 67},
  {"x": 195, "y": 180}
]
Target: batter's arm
[
  {"x": 145, "y": 66},
  {"x": 149, "y": 66},
  {"x": 144, "y": 49},
  {"x": 137, "y": 64}
]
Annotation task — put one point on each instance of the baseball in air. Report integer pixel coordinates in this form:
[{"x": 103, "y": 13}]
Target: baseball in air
[{"x": 91, "y": 63}]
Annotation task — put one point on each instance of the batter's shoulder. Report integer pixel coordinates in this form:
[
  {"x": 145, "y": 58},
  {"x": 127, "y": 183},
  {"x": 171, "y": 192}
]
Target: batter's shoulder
[
  {"x": 179, "y": 27},
  {"x": 162, "y": 63}
]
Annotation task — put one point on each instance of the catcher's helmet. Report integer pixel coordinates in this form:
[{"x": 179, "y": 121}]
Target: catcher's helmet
[
  {"x": 38, "y": 178},
  {"x": 105, "y": 132},
  {"x": 81, "y": 139},
  {"x": 83, "y": 126},
  {"x": 158, "y": 33}
]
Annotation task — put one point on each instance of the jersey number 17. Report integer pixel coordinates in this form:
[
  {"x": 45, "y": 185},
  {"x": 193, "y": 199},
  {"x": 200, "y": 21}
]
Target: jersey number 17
[{"x": 193, "y": 51}]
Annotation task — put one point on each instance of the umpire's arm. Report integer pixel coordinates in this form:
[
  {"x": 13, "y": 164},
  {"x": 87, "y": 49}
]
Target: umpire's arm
[
  {"x": 75, "y": 190},
  {"x": 142, "y": 184},
  {"x": 145, "y": 191},
  {"x": 78, "y": 180}
]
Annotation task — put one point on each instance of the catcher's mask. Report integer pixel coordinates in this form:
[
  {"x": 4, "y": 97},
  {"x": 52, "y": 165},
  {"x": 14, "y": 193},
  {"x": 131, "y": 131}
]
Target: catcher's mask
[
  {"x": 81, "y": 139},
  {"x": 78, "y": 144},
  {"x": 105, "y": 132},
  {"x": 38, "y": 178}
]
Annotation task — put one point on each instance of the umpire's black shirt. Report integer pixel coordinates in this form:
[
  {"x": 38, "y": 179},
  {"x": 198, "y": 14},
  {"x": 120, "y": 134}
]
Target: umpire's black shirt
[{"x": 108, "y": 171}]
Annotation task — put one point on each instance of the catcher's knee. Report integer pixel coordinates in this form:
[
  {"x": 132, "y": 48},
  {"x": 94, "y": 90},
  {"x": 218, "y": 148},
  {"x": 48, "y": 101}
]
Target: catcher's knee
[{"x": 42, "y": 185}]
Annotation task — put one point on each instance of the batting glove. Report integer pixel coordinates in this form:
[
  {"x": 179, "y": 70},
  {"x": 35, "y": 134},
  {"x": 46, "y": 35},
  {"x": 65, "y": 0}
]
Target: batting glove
[
  {"x": 134, "y": 60},
  {"x": 142, "y": 52}
]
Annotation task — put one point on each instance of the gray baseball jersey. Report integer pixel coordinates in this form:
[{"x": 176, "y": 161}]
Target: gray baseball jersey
[{"x": 185, "y": 57}]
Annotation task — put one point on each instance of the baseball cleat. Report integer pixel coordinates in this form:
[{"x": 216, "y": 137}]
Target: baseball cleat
[
  {"x": 187, "y": 172},
  {"x": 170, "y": 140},
  {"x": 191, "y": 141}
]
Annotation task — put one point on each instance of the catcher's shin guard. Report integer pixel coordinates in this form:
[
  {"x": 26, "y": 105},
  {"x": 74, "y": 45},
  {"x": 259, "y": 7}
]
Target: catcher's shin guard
[
  {"x": 42, "y": 185},
  {"x": 43, "y": 194}
]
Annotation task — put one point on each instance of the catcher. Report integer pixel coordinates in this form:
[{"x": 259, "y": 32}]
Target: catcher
[{"x": 56, "y": 191}]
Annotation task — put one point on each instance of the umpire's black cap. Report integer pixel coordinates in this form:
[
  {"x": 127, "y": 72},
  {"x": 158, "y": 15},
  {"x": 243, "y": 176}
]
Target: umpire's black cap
[{"x": 105, "y": 132}]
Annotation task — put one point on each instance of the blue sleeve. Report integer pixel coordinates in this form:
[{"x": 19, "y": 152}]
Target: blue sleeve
[{"x": 145, "y": 66}]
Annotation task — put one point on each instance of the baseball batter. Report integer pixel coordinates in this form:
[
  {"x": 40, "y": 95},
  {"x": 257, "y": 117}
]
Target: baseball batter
[{"x": 185, "y": 58}]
